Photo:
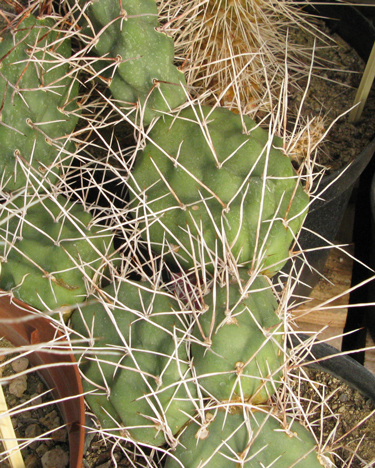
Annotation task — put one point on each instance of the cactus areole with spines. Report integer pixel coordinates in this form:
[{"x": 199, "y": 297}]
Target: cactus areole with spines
[
  {"x": 37, "y": 92},
  {"x": 140, "y": 358},
  {"x": 236, "y": 352},
  {"x": 211, "y": 190},
  {"x": 142, "y": 72},
  {"x": 256, "y": 439},
  {"x": 48, "y": 256}
]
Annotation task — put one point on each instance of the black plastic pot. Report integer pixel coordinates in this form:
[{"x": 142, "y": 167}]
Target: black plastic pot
[
  {"x": 370, "y": 310},
  {"x": 326, "y": 358},
  {"x": 334, "y": 191}
]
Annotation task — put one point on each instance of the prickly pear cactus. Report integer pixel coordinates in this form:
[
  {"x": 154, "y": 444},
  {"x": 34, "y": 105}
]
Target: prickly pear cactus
[
  {"x": 237, "y": 354},
  {"x": 137, "y": 368},
  {"x": 250, "y": 439},
  {"x": 50, "y": 252},
  {"x": 38, "y": 110},
  {"x": 214, "y": 193},
  {"x": 138, "y": 56}
]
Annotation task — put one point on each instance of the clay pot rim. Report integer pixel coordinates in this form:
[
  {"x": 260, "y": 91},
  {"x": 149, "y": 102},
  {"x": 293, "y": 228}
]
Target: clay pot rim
[{"x": 66, "y": 383}]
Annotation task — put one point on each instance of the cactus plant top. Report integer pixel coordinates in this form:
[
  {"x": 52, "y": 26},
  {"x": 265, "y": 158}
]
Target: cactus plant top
[
  {"x": 212, "y": 193},
  {"x": 50, "y": 252},
  {"x": 137, "y": 56},
  {"x": 38, "y": 95}
]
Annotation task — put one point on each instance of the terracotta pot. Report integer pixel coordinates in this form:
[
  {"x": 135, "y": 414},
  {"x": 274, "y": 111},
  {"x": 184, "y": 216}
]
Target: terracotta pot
[{"x": 64, "y": 380}]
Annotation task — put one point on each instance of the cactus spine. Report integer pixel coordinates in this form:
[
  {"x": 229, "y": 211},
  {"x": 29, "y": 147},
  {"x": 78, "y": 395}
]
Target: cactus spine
[
  {"x": 214, "y": 192},
  {"x": 51, "y": 252},
  {"x": 138, "y": 65},
  {"x": 235, "y": 51},
  {"x": 141, "y": 359},
  {"x": 236, "y": 353},
  {"x": 39, "y": 103},
  {"x": 246, "y": 438}
]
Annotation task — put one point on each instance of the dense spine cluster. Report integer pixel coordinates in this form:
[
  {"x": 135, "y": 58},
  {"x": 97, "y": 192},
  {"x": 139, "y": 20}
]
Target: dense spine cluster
[{"x": 236, "y": 52}]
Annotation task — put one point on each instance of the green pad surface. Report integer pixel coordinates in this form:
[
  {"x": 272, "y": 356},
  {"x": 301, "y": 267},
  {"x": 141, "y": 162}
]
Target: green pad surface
[
  {"x": 39, "y": 110},
  {"x": 252, "y": 441},
  {"x": 237, "y": 353},
  {"x": 49, "y": 251},
  {"x": 212, "y": 193},
  {"x": 139, "y": 360}
]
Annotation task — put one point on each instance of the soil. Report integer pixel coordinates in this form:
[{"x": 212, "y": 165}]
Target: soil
[
  {"x": 331, "y": 92},
  {"x": 349, "y": 419}
]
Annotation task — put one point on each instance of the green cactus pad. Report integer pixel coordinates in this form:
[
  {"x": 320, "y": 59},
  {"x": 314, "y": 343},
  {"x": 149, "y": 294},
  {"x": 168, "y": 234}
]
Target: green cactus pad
[
  {"x": 49, "y": 253},
  {"x": 209, "y": 189},
  {"x": 227, "y": 442},
  {"x": 142, "y": 68},
  {"x": 38, "y": 98},
  {"x": 146, "y": 367},
  {"x": 236, "y": 355}
]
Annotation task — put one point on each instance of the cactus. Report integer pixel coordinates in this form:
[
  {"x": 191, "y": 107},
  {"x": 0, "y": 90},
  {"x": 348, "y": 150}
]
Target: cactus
[
  {"x": 38, "y": 110},
  {"x": 139, "y": 58},
  {"x": 49, "y": 251},
  {"x": 211, "y": 192},
  {"x": 249, "y": 439},
  {"x": 237, "y": 353},
  {"x": 207, "y": 185},
  {"x": 140, "y": 360}
]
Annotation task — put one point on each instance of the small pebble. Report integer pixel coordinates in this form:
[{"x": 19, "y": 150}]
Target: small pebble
[
  {"x": 369, "y": 404},
  {"x": 20, "y": 364},
  {"x": 12, "y": 401},
  {"x": 35, "y": 399},
  {"x": 60, "y": 435},
  {"x": 55, "y": 458},
  {"x": 18, "y": 386},
  {"x": 25, "y": 415},
  {"x": 31, "y": 432},
  {"x": 105, "y": 465},
  {"x": 42, "y": 449},
  {"x": 343, "y": 398},
  {"x": 32, "y": 461},
  {"x": 51, "y": 420}
]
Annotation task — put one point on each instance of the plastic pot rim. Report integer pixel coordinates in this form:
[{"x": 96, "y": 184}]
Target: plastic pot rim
[{"x": 328, "y": 359}]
